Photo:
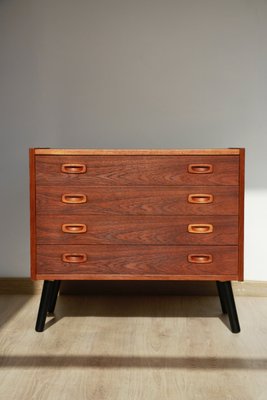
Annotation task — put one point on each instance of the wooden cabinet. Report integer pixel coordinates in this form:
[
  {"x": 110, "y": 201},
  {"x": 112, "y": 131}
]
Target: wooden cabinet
[{"x": 137, "y": 214}]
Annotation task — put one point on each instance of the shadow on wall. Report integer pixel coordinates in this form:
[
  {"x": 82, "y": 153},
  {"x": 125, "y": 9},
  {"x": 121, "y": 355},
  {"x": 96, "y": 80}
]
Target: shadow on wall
[{"x": 131, "y": 74}]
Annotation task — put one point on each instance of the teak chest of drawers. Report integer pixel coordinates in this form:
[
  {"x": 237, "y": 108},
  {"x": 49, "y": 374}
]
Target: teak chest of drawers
[{"x": 137, "y": 215}]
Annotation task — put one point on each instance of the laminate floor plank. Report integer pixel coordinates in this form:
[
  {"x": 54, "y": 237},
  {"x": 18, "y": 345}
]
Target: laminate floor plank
[{"x": 134, "y": 348}]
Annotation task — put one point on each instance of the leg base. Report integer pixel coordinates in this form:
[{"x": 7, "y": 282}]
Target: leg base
[
  {"x": 47, "y": 303},
  {"x": 228, "y": 304},
  {"x": 43, "y": 307}
]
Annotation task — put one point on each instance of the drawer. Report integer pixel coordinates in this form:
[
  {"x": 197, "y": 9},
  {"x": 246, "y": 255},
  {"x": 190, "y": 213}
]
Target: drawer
[
  {"x": 190, "y": 200},
  {"x": 137, "y": 170},
  {"x": 137, "y": 260},
  {"x": 148, "y": 230}
]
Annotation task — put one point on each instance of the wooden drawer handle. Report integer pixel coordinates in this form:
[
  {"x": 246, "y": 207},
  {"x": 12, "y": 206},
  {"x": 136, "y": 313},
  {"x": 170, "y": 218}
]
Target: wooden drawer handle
[
  {"x": 74, "y": 258},
  {"x": 200, "y": 258},
  {"x": 200, "y": 228},
  {"x": 74, "y": 228},
  {"x": 200, "y": 168},
  {"x": 74, "y": 198},
  {"x": 73, "y": 168},
  {"x": 200, "y": 198}
]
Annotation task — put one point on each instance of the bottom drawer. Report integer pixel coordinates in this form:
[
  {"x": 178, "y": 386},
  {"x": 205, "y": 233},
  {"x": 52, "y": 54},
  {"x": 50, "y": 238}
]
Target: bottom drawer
[{"x": 123, "y": 261}]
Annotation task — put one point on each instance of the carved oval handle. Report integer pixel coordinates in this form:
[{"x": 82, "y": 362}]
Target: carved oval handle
[
  {"x": 74, "y": 198},
  {"x": 200, "y": 198},
  {"x": 200, "y": 258},
  {"x": 74, "y": 258},
  {"x": 73, "y": 168},
  {"x": 200, "y": 228},
  {"x": 74, "y": 228},
  {"x": 200, "y": 168}
]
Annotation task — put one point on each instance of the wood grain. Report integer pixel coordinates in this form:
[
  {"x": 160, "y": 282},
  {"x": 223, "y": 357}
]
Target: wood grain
[
  {"x": 32, "y": 213},
  {"x": 136, "y": 230},
  {"x": 137, "y": 200},
  {"x": 133, "y": 348},
  {"x": 241, "y": 214},
  {"x": 137, "y": 277},
  {"x": 132, "y": 260},
  {"x": 134, "y": 152},
  {"x": 137, "y": 170}
]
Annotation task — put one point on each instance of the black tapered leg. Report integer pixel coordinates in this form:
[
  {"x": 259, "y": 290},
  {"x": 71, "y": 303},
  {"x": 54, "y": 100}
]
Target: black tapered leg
[
  {"x": 231, "y": 308},
  {"x": 229, "y": 302},
  {"x": 53, "y": 296},
  {"x": 221, "y": 294},
  {"x": 43, "y": 307}
]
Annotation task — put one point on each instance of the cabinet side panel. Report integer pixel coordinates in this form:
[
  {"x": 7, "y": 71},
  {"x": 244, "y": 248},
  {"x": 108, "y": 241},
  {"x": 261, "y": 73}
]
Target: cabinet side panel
[
  {"x": 32, "y": 213},
  {"x": 241, "y": 214}
]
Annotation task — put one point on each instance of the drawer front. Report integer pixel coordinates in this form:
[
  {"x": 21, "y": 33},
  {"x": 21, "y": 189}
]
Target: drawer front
[
  {"x": 137, "y": 170},
  {"x": 158, "y": 230},
  {"x": 135, "y": 260},
  {"x": 190, "y": 200}
]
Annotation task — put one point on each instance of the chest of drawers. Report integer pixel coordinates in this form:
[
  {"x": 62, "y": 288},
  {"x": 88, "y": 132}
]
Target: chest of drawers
[{"x": 136, "y": 215}]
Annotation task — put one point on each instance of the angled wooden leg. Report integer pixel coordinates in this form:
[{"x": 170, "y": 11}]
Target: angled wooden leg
[
  {"x": 220, "y": 289},
  {"x": 53, "y": 296},
  {"x": 229, "y": 302},
  {"x": 43, "y": 307}
]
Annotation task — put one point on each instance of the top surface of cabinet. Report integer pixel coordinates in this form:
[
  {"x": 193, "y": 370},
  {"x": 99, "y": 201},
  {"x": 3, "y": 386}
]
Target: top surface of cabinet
[{"x": 132, "y": 152}]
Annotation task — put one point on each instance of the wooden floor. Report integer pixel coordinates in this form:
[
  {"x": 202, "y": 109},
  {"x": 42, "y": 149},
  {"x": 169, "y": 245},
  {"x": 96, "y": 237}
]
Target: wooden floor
[{"x": 133, "y": 348}]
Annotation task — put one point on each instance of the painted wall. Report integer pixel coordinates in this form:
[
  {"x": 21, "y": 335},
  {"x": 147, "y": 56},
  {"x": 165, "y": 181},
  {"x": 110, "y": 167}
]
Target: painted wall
[{"x": 136, "y": 74}]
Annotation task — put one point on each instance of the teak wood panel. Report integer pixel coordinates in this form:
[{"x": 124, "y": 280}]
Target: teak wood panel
[
  {"x": 160, "y": 230},
  {"x": 134, "y": 152},
  {"x": 32, "y": 212},
  {"x": 137, "y": 200},
  {"x": 166, "y": 180},
  {"x": 130, "y": 260},
  {"x": 241, "y": 214},
  {"x": 137, "y": 170}
]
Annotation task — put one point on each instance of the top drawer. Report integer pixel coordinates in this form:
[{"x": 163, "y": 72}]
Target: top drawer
[{"x": 137, "y": 170}]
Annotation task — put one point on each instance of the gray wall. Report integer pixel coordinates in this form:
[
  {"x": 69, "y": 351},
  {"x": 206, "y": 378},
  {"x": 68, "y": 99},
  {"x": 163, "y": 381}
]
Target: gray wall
[{"x": 126, "y": 73}]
